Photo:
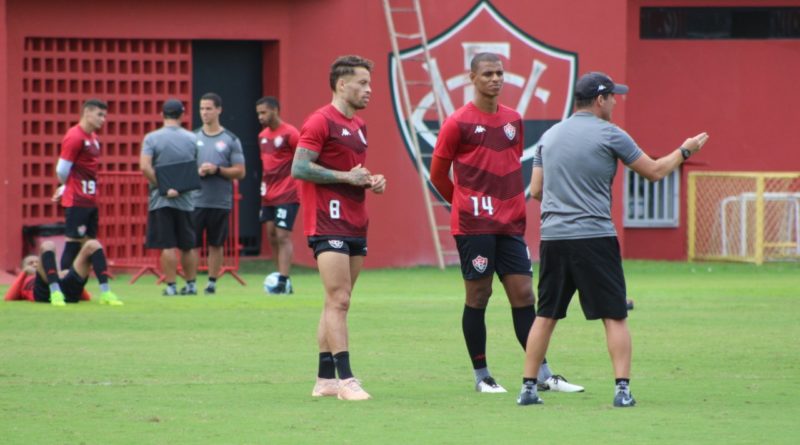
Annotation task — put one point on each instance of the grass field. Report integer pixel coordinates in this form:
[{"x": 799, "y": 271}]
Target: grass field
[{"x": 716, "y": 361}]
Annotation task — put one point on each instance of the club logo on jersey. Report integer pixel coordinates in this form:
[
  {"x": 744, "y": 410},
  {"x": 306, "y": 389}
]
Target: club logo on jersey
[
  {"x": 221, "y": 145},
  {"x": 538, "y": 81},
  {"x": 264, "y": 140},
  {"x": 278, "y": 141},
  {"x": 336, "y": 244},
  {"x": 510, "y": 131},
  {"x": 361, "y": 135},
  {"x": 480, "y": 263}
]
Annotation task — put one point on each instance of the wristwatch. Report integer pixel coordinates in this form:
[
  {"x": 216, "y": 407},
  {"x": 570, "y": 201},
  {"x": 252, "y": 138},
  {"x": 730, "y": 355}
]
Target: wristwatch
[{"x": 685, "y": 153}]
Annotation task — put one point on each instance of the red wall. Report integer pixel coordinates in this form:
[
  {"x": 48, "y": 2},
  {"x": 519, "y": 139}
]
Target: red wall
[
  {"x": 311, "y": 34},
  {"x": 736, "y": 90},
  {"x": 741, "y": 92}
]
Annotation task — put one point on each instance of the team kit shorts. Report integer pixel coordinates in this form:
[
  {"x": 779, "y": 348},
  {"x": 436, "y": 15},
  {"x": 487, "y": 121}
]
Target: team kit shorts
[
  {"x": 71, "y": 286},
  {"x": 350, "y": 246},
  {"x": 80, "y": 222},
  {"x": 283, "y": 215},
  {"x": 168, "y": 228},
  {"x": 483, "y": 255},
  {"x": 214, "y": 222},
  {"x": 593, "y": 267}
]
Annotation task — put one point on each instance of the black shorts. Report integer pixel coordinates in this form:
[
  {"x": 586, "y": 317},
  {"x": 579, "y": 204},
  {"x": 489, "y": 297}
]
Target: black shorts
[
  {"x": 81, "y": 222},
  {"x": 283, "y": 215},
  {"x": 483, "y": 255},
  {"x": 342, "y": 244},
  {"x": 168, "y": 227},
  {"x": 71, "y": 286},
  {"x": 212, "y": 221},
  {"x": 593, "y": 267}
]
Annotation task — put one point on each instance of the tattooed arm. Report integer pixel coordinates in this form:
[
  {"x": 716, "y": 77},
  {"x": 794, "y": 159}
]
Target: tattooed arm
[{"x": 305, "y": 167}]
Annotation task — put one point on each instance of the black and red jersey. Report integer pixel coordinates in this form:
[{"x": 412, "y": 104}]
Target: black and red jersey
[
  {"x": 485, "y": 148},
  {"x": 277, "y": 151},
  {"x": 83, "y": 150},
  {"x": 334, "y": 209}
]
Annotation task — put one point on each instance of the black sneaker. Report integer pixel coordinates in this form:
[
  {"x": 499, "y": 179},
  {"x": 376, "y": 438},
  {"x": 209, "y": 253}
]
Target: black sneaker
[
  {"x": 186, "y": 291},
  {"x": 210, "y": 290},
  {"x": 529, "y": 396},
  {"x": 623, "y": 398}
]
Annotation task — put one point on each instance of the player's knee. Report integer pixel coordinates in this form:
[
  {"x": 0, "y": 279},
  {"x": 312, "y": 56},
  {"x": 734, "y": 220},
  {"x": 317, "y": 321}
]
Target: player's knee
[
  {"x": 338, "y": 300},
  {"x": 91, "y": 246},
  {"x": 479, "y": 298}
]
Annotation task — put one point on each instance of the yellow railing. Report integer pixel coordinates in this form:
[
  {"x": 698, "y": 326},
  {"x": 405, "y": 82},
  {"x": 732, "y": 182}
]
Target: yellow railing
[{"x": 743, "y": 216}]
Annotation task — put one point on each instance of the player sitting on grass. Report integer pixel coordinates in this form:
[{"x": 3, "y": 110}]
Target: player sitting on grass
[{"x": 41, "y": 281}]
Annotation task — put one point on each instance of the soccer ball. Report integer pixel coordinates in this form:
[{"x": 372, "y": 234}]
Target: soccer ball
[{"x": 271, "y": 282}]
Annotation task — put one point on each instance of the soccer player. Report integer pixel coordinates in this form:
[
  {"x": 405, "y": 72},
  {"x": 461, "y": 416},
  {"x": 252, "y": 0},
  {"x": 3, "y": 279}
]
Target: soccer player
[
  {"x": 483, "y": 141},
  {"x": 573, "y": 167},
  {"x": 330, "y": 160},
  {"x": 169, "y": 218},
  {"x": 279, "y": 201},
  {"x": 41, "y": 281},
  {"x": 76, "y": 170},
  {"x": 220, "y": 160}
]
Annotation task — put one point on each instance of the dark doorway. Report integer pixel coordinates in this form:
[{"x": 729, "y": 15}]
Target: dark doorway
[{"x": 233, "y": 69}]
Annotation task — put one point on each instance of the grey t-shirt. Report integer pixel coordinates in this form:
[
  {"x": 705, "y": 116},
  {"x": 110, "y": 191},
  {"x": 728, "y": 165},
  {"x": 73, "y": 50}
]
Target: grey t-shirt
[
  {"x": 168, "y": 145},
  {"x": 224, "y": 150},
  {"x": 579, "y": 160}
]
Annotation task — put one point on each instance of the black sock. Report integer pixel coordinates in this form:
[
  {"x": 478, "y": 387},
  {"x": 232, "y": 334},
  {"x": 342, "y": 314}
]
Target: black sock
[
  {"x": 622, "y": 382},
  {"x": 282, "y": 278},
  {"x": 71, "y": 249},
  {"x": 49, "y": 266},
  {"x": 523, "y": 320},
  {"x": 212, "y": 279},
  {"x": 327, "y": 369},
  {"x": 98, "y": 259},
  {"x": 342, "y": 361},
  {"x": 474, "y": 328}
]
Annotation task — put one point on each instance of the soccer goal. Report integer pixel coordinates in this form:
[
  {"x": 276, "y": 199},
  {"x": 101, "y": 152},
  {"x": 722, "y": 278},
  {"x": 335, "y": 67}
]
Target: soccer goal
[{"x": 744, "y": 216}]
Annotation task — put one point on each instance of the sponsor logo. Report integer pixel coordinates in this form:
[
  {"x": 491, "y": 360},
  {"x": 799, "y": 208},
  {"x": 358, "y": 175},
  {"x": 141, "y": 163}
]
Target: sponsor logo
[
  {"x": 264, "y": 140},
  {"x": 335, "y": 243},
  {"x": 538, "y": 80},
  {"x": 283, "y": 224},
  {"x": 345, "y": 132},
  {"x": 480, "y": 263},
  {"x": 480, "y": 129},
  {"x": 510, "y": 131},
  {"x": 200, "y": 143}
]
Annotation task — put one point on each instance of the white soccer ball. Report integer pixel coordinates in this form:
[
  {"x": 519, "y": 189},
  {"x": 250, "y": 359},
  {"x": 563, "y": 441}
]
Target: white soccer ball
[{"x": 271, "y": 282}]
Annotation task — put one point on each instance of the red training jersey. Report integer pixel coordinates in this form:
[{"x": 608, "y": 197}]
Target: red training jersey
[
  {"x": 27, "y": 287},
  {"x": 277, "y": 151},
  {"x": 334, "y": 209},
  {"x": 485, "y": 148},
  {"x": 83, "y": 150}
]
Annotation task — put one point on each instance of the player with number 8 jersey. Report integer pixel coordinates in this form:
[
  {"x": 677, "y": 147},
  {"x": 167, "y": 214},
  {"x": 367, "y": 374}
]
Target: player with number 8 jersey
[{"x": 334, "y": 209}]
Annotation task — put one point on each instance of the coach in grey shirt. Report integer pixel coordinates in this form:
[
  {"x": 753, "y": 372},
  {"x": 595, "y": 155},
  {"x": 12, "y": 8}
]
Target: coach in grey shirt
[
  {"x": 573, "y": 169},
  {"x": 169, "y": 218},
  {"x": 220, "y": 160}
]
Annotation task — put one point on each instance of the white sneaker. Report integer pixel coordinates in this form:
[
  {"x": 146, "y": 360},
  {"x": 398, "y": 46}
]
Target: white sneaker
[
  {"x": 489, "y": 385},
  {"x": 558, "y": 383}
]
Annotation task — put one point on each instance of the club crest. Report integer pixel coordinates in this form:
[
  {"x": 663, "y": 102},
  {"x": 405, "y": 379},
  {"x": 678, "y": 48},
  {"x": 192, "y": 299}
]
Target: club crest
[
  {"x": 510, "y": 131},
  {"x": 538, "y": 81},
  {"x": 278, "y": 141},
  {"x": 480, "y": 263},
  {"x": 335, "y": 243}
]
